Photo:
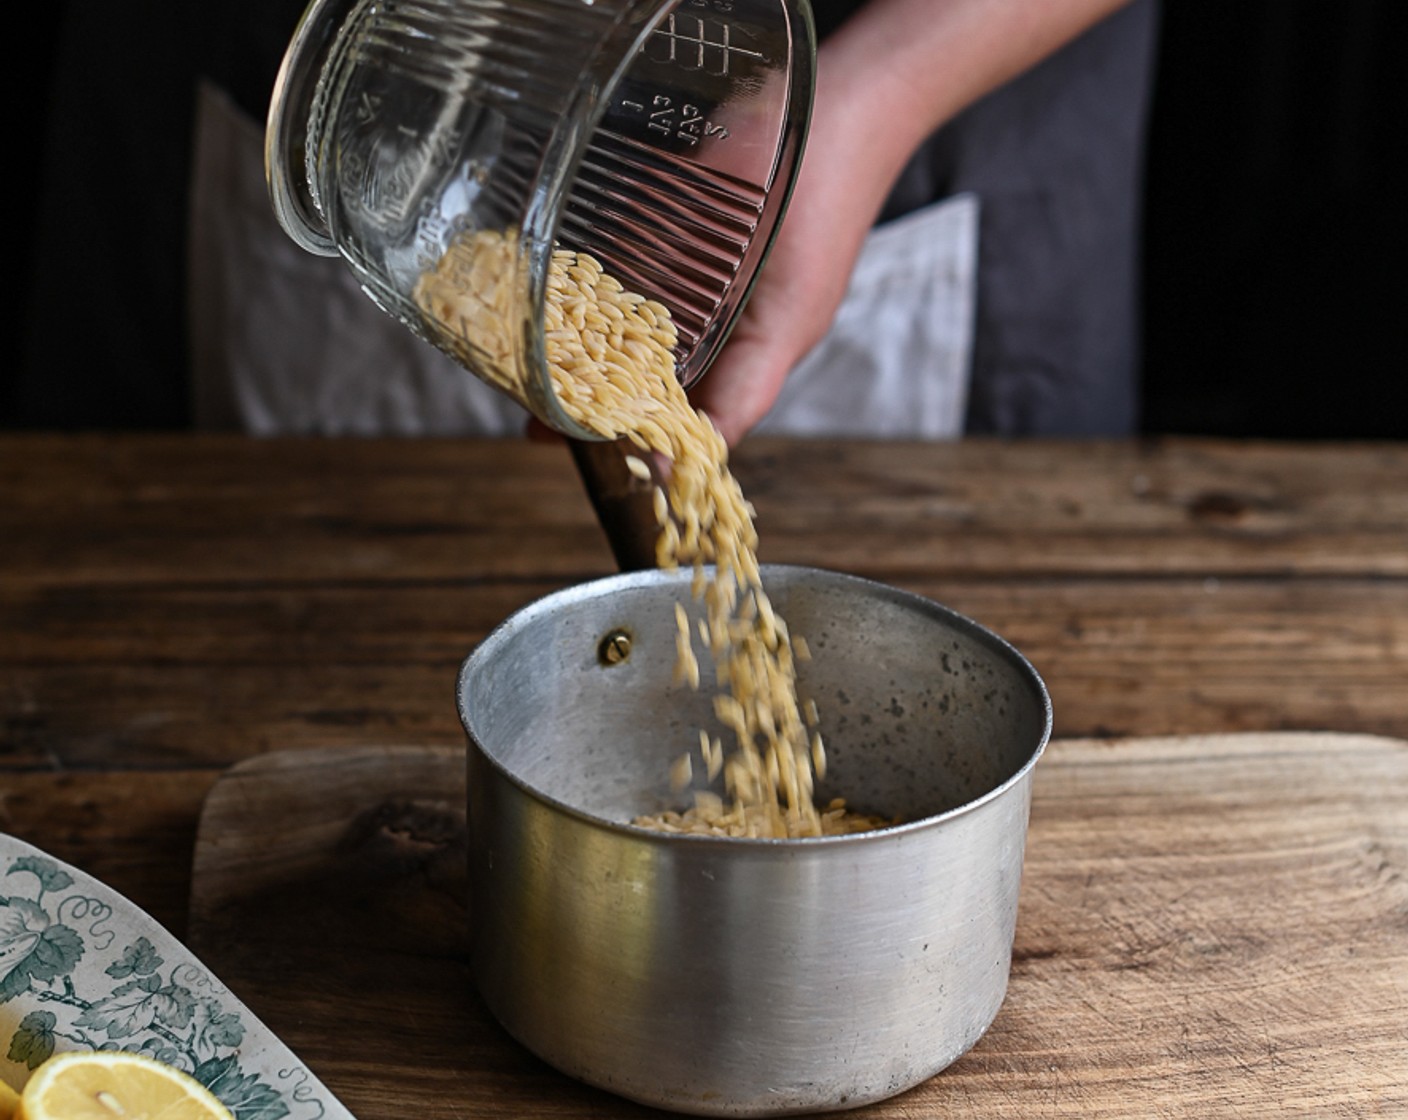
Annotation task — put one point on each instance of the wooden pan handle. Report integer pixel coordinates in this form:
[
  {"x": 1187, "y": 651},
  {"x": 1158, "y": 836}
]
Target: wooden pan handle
[{"x": 624, "y": 503}]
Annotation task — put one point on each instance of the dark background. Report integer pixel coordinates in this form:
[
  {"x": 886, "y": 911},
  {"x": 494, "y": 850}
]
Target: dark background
[
  {"x": 1276, "y": 297},
  {"x": 1275, "y": 244}
]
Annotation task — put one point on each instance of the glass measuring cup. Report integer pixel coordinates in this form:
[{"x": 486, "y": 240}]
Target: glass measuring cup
[{"x": 661, "y": 136}]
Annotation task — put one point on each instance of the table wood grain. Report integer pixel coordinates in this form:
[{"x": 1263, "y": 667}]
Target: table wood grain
[
  {"x": 173, "y": 605},
  {"x": 1208, "y": 926}
]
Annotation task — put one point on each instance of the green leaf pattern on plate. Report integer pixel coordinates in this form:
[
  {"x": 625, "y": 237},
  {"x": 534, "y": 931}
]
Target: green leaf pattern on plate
[{"x": 87, "y": 980}]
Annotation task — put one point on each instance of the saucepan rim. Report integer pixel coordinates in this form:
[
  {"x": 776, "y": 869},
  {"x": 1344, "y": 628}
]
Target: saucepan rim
[{"x": 592, "y": 589}]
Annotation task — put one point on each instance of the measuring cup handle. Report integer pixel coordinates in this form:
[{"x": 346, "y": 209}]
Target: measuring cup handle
[{"x": 624, "y": 504}]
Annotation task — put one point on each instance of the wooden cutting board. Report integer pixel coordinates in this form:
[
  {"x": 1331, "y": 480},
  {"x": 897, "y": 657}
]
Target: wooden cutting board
[{"x": 1209, "y": 926}]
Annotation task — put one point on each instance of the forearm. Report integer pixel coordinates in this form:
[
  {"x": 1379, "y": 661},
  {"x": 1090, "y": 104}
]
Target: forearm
[{"x": 899, "y": 69}]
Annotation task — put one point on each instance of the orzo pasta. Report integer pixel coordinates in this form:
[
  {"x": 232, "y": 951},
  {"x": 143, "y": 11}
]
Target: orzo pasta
[{"x": 610, "y": 353}]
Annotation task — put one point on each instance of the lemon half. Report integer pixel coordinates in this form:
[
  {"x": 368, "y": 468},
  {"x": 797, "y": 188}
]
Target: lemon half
[{"x": 115, "y": 1085}]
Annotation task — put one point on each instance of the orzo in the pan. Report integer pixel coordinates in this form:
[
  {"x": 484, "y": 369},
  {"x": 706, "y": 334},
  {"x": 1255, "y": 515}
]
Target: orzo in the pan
[{"x": 611, "y": 355}]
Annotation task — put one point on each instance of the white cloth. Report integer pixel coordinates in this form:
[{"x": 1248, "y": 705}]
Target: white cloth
[
  {"x": 896, "y": 361},
  {"x": 286, "y": 342}
]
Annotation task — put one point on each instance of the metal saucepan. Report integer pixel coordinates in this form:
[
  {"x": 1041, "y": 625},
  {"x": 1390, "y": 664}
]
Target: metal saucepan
[{"x": 746, "y": 977}]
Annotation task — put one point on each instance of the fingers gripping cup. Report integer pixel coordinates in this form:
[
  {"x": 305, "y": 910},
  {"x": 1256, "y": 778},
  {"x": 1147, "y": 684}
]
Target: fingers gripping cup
[{"x": 444, "y": 148}]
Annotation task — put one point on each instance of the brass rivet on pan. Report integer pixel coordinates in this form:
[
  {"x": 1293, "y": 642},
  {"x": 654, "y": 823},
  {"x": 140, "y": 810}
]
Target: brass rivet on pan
[{"x": 614, "y": 648}]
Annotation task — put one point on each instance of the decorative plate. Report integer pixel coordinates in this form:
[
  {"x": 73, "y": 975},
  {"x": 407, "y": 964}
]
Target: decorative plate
[{"x": 81, "y": 968}]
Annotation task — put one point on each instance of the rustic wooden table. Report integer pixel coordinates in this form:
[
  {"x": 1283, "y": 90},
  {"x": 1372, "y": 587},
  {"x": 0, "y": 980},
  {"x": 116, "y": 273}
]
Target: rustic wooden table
[{"x": 172, "y": 606}]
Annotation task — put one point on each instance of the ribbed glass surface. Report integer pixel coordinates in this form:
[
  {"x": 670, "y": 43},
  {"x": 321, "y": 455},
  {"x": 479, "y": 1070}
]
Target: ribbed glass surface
[{"x": 661, "y": 137}]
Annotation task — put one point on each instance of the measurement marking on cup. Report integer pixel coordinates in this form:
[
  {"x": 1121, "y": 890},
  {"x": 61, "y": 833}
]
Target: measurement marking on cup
[
  {"x": 368, "y": 107},
  {"x": 706, "y": 45},
  {"x": 680, "y": 120}
]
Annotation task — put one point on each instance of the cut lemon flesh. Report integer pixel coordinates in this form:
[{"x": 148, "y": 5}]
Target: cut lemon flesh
[{"x": 115, "y": 1085}]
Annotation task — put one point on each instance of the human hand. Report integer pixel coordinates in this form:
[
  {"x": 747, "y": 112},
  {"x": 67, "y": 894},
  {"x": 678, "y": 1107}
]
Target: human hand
[
  {"x": 886, "y": 79},
  {"x": 896, "y": 71},
  {"x": 838, "y": 193},
  {"x": 795, "y": 299}
]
